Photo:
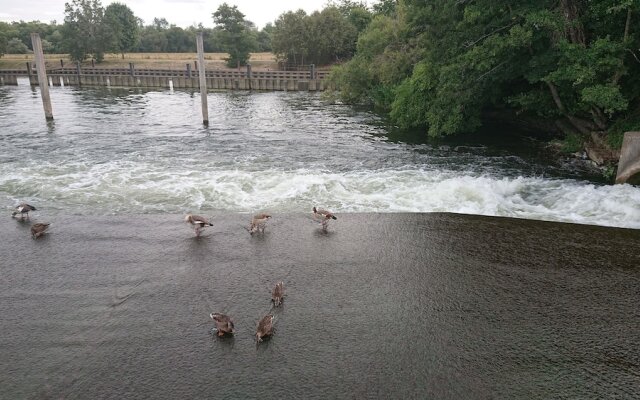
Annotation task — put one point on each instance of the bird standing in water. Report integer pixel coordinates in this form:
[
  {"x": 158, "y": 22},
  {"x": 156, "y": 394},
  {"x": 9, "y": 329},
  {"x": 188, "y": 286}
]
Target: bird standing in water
[
  {"x": 198, "y": 222},
  {"x": 39, "y": 229},
  {"x": 23, "y": 209},
  {"x": 277, "y": 294},
  {"x": 258, "y": 223},
  {"x": 224, "y": 324},
  {"x": 265, "y": 327},
  {"x": 323, "y": 216}
]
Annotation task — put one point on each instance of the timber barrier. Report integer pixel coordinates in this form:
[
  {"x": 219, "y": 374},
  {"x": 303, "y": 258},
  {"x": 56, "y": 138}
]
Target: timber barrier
[{"x": 216, "y": 79}]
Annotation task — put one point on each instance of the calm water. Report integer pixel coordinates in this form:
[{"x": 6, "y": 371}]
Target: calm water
[{"x": 132, "y": 151}]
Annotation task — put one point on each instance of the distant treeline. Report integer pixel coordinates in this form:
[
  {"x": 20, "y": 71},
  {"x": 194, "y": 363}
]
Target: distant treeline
[{"x": 90, "y": 31}]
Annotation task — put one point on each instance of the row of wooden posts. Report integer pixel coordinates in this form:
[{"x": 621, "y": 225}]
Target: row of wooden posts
[{"x": 310, "y": 80}]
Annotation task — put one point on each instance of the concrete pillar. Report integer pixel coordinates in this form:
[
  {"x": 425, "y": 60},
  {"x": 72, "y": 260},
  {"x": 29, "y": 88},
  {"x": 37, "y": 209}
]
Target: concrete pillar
[
  {"x": 42, "y": 75},
  {"x": 629, "y": 165}
]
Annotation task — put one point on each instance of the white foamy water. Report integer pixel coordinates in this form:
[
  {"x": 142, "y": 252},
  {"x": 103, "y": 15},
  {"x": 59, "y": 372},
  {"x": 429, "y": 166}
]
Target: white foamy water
[{"x": 126, "y": 152}]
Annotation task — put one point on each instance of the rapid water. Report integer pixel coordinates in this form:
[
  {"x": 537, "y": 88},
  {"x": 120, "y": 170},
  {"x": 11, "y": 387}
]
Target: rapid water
[{"x": 129, "y": 151}]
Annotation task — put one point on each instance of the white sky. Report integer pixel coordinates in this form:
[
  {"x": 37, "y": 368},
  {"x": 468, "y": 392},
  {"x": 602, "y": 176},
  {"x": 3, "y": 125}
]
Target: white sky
[{"x": 182, "y": 13}]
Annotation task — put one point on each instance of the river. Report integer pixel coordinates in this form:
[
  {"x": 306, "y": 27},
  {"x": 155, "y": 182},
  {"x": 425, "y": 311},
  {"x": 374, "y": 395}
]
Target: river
[
  {"x": 118, "y": 151},
  {"x": 465, "y": 268}
]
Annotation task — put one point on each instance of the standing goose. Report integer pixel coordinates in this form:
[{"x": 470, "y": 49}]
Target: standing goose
[
  {"x": 265, "y": 327},
  {"x": 277, "y": 294},
  {"x": 224, "y": 324},
  {"x": 39, "y": 229},
  {"x": 198, "y": 222},
  {"x": 258, "y": 223},
  {"x": 23, "y": 209},
  {"x": 323, "y": 216}
]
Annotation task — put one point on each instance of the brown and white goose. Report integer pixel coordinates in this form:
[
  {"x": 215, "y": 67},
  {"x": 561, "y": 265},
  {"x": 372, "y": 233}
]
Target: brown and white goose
[
  {"x": 198, "y": 222},
  {"x": 277, "y": 294},
  {"x": 265, "y": 327},
  {"x": 224, "y": 324},
  {"x": 323, "y": 216},
  {"x": 23, "y": 209},
  {"x": 39, "y": 229},
  {"x": 259, "y": 222}
]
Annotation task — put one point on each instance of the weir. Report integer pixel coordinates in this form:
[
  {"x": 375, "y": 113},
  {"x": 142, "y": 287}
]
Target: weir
[
  {"x": 312, "y": 80},
  {"x": 629, "y": 165}
]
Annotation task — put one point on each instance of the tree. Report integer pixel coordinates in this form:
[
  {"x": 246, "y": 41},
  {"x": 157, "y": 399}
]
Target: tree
[
  {"x": 234, "y": 34},
  {"x": 331, "y": 37},
  {"x": 4, "y": 37},
  {"x": 15, "y": 46},
  {"x": 84, "y": 30},
  {"x": 123, "y": 27},
  {"x": 289, "y": 38}
]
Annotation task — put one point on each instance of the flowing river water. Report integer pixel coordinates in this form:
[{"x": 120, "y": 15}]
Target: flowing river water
[{"x": 465, "y": 268}]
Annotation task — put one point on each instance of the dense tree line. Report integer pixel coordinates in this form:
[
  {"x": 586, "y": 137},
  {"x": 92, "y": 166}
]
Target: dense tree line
[
  {"x": 444, "y": 66},
  {"x": 89, "y": 30}
]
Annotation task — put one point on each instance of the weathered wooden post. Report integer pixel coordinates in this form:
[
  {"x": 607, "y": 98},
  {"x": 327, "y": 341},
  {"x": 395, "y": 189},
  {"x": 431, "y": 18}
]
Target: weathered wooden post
[
  {"x": 79, "y": 73},
  {"x": 203, "y": 79},
  {"x": 189, "y": 67},
  {"x": 629, "y": 165},
  {"x": 61, "y": 63},
  {"x": 131, "y": 69},
  {"x": 249, "y": 75},
  {"x": 312, "y": 71},
  {"x": 42, "y": 75}
]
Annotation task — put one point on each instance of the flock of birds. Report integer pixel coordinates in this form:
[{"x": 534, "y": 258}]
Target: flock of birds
[{"x": 224, "y": 323}]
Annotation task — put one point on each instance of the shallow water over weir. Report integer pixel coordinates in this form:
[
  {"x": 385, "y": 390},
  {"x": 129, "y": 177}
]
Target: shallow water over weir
[
  {"x": 123, "y": 151},
  {"x": 388, "y": 305}
]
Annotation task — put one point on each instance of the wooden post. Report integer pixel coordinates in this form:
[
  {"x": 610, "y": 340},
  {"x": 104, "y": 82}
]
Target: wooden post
[
  {"x": 42, "y": 75},
  {"x": 61, "y": 63},
  {"x": 78, "y": 72},
  {"x": 189, "y": 68},
  {"x": 131, "y": 69},
  {"x": 312, "y": 71},
  {"x": 203, "y": 79},
  {"x": 249, "y": 75}
]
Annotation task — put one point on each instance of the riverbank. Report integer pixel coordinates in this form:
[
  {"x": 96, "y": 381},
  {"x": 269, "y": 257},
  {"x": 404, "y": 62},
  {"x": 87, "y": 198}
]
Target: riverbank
[{"x": 381, "y": 305}]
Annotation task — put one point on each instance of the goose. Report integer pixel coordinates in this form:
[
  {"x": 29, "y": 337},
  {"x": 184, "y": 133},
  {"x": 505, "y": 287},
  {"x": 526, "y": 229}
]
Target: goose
[
  {"x": 265, "y": 327},
  {"x": 224, "y": 324},
  {"x": 39, "y": 229},
  {"x": 23, "y": 209},
  {"x": 277, "y": 294},
  {"x": 258, "y": 223},
  {"x": 323, "y": 216},
  {"x": 198, "y": 222}
]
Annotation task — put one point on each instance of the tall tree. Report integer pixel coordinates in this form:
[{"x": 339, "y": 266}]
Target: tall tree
[
  {"x": 289, "y": 38},
  {"x": 234, "y": 34},
  {"x": 123, "y": 27},
  {"x": 84, "y": 30}
]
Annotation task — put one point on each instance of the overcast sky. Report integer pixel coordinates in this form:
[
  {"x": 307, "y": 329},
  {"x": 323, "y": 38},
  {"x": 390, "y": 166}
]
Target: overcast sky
[{"x": 182, "y": 13}]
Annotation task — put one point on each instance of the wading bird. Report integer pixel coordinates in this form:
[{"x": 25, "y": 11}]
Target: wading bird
[
  {"x": 224, "y": 324},
  {"x": 265, "y": 327},
  {"x": 198, "y": 222},
  {"x": 258, "y": 223},
  {"x": 23, "y": 209},
  {"x": 323, "y": 216},
  {"x": 39, "y": 229},
  {"x": 277, "y": 294}
]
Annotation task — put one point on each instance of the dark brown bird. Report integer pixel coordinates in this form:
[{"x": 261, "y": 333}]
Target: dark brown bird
[
  {"x": 23, "y": 209},
  {"x": 39, "y": 229},
  {"x": 224, "y": 324},
  {"x": 265, "y": 327},
  {"x": 323, "y": 216},
  {"x": 258, "y": 223},
  {"x": 277, "y": 294},
  {"x": 198, "y": 222}
]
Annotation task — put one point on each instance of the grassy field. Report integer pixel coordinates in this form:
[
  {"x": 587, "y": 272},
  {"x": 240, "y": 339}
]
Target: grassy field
[{"x": 259, "y": 61}]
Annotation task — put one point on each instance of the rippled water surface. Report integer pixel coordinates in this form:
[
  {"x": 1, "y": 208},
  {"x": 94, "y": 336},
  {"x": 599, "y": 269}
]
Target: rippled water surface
[{"x": 130, "y": 151}]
